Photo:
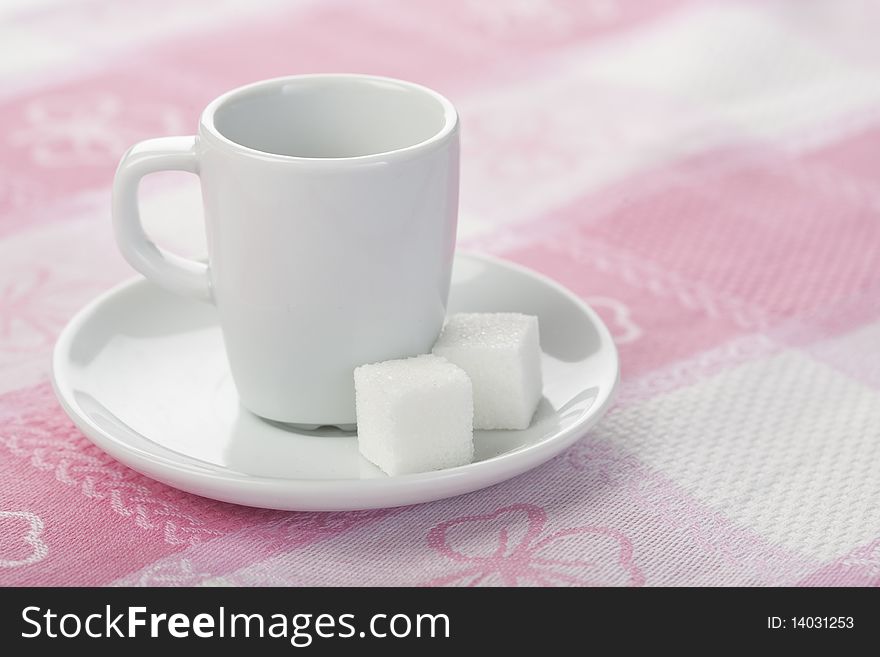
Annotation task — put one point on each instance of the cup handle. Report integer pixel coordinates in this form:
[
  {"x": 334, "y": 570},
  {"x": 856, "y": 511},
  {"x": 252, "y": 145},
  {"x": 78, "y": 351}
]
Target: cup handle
[{"x": 177, "y": 274}]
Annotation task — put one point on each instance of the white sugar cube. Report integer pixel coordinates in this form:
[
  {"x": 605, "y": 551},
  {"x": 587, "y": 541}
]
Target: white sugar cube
[
  {"x": 414, "y": 414},
  {"x": 501, "y": 354}
]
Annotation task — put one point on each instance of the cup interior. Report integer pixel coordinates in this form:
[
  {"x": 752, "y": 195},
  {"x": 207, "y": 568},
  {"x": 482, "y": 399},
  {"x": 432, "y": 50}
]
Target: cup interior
[{"x": 332, "y": 116}]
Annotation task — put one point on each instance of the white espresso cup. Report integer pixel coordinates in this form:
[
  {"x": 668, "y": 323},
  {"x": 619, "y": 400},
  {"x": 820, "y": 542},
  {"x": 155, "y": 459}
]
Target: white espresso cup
[{"x": 331, "y": 204}]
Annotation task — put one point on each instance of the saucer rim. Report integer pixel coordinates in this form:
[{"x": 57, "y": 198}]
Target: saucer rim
[{"x": 485, "y": 473}]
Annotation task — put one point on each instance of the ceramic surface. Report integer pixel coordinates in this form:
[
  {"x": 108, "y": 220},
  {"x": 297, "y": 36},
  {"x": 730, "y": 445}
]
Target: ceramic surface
[
  {"x": 330, "y": 205},
  {"x": 142, "y": 372}
]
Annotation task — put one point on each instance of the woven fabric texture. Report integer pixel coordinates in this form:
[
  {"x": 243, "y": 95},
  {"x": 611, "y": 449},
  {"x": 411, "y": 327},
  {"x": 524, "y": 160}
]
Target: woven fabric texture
[{"x": 705, "y": 174}]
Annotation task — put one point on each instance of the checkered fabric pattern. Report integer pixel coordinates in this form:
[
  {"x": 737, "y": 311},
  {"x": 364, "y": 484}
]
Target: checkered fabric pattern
[{"x": 706, "y": 174}]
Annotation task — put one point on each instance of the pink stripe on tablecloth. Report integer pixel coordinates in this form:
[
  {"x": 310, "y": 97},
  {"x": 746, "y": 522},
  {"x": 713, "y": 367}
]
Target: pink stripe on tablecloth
[{"x": 719, "y": 212}]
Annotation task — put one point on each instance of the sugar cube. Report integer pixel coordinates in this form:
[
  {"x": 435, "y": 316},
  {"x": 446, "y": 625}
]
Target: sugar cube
[
  {"x": 414, "y": 414},
  {"x": 502, "y": 356}
]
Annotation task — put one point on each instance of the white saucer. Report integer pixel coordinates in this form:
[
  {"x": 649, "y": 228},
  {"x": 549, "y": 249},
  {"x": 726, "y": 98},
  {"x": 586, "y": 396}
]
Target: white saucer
[{"x": 143, "y": 374}]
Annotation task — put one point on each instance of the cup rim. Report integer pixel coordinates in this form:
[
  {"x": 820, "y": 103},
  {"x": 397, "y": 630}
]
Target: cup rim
[{"x": 207, "y": 126}]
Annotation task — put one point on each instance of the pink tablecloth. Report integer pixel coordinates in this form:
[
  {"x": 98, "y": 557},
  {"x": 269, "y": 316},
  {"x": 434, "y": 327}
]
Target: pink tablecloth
[{"x": 706, "y": 174}]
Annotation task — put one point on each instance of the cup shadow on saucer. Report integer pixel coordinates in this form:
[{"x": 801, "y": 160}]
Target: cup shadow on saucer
[{"x": 329, "y": 430}]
